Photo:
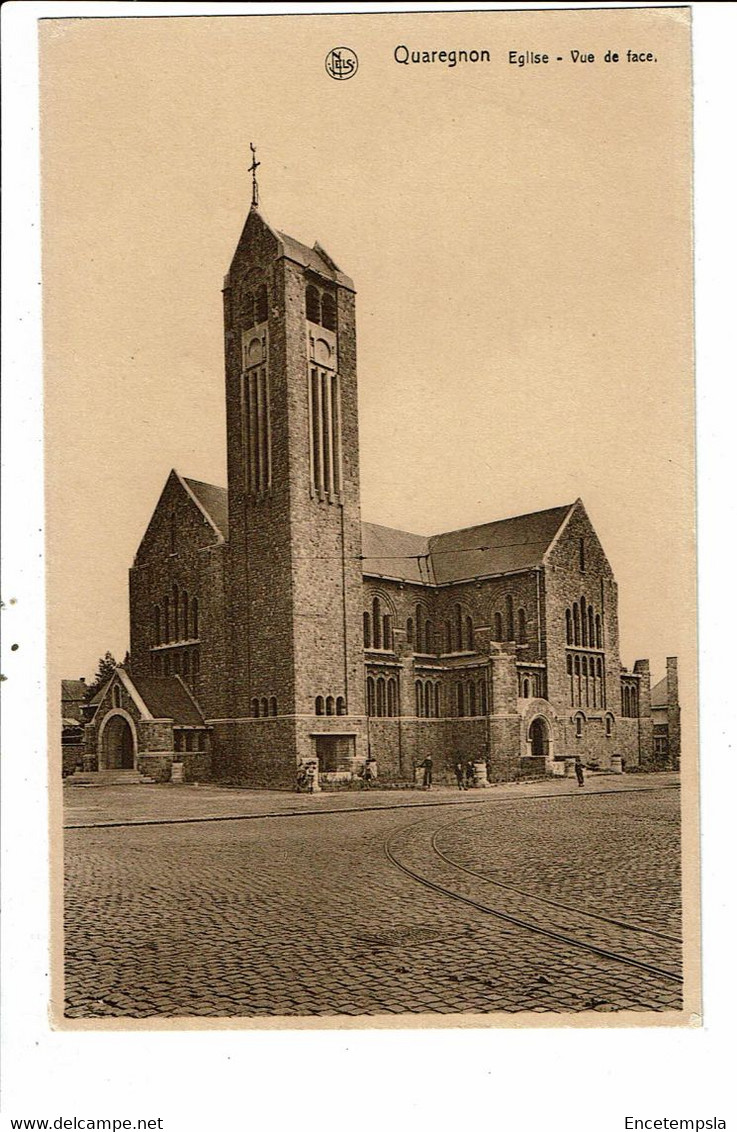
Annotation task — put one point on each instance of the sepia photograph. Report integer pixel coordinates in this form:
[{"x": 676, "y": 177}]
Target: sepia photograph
[{"x": 370, "y": 519}]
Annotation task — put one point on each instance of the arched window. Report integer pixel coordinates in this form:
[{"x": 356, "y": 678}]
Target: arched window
[
  {"x": 429, "y": 637},
  {"x": 312, "y": 304},
  {"x": 428, "y": 699},
  {"x": 391, "y": 697},
  {"x": 254, "y": 707},
  {"x": 418, "y": 625},
  {"x": 598, "y": 667},
  {"x": 460, "y": 704},
  {"x": 569, "y": 628},
  {"x": 340, "y": 708},
  {"x": 569, "y": 670},
  {"x": 459, "y": 628},
  {"x": 448, "y": 637},
  {"x": 498, "y": 634},
  {"x": 436, "y": 697},
  {"x": 510, "y": 617},
  {"x": 386, "y": 631},
  {"x": 584, "y": 632},
  {"x": 117, "y": 700},
  {"x": 261, "y": 304},
  {"x": 264, "y": 706},
  {"x": 330, "y": 706},
  {"x": 376, "y": 623},
  {"x": 370, "y": 696},
  {"x": 185, "y": 616},
  {"x": 609, "y": 726},
  {"x": 319, "y": 705},
  {"x": 576, "y": 626},
  {"x": 329, "y": 319},
  {"x": 521, "y": 626},
  {"x": 272, "y": 706},
  {"x": 195, "y": 618},
  {"x": 471, "y": 698},
  {"x": 418, "y": 698},
  {"x": 381, "y": 696},
  {"x": 157, "y": 625},
  {"x": 592, "y": 634},
  {"x": 634, "y": 705},
  {"x": 597, "y": 622},
  {"x": 469, "y": 634},
  {"x": 577, "y": 673},
  {"x": 526, "y": 689},
  {"x": 367, "y": 630},
  {"x": 579, "y": 726},
  {"x": 410, "y": 631},
  {"x": 167, "y": 638},
  {"x": 175, "y": 610},
  {"x": 482, "y": 697}
]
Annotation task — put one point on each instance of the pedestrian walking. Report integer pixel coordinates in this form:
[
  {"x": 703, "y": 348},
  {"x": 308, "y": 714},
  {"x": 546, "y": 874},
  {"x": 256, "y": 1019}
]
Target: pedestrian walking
[
  {"x": 460, "y": 774},
  {"x": 426, "y": 765},
  {"x": 579, "y": 771},
  {"x": 371, "y": 771},
  {"x": 470, "y": 774}
]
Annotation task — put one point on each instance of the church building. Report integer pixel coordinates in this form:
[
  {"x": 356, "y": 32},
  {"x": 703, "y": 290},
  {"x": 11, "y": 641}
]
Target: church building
[{"x": 271, "y": 628}]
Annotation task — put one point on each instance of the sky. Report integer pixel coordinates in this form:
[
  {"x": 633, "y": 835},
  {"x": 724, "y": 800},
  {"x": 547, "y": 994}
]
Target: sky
[{"x": 520, "y": 242}]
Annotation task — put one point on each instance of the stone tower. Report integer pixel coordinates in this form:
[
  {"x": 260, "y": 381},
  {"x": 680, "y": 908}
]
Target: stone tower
[{"x": 294, "y": 576}]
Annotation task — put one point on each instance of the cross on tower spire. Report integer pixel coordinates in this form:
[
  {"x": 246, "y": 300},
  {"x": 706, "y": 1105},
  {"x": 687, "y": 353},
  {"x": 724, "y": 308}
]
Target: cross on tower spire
[{"x": 252, "y": 170}]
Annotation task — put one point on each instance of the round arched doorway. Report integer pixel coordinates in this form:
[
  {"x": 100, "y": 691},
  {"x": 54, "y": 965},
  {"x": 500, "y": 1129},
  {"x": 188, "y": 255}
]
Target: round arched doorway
[
  {"x": 117, "y": 745},
  {"x": 539, "y": 738}
]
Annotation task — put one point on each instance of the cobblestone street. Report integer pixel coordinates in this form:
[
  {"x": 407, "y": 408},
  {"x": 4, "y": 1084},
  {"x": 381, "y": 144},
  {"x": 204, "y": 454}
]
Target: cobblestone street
[{"x": 515, "y": 899}]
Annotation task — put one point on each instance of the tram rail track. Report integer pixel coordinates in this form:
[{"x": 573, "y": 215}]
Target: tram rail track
[{"x": 550, "y": 932}]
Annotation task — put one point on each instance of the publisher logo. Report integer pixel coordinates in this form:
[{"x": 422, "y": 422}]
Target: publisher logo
[{"x": 341, "y": 63}]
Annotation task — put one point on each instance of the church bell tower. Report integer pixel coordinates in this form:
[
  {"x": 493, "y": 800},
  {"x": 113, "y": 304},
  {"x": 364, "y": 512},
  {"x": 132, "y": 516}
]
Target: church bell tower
[{"x": 294, "y": 580}]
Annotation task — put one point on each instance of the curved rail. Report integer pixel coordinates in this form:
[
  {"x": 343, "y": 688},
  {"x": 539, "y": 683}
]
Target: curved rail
[
  {"x": 545, "y": 899},
  {"x": 497, "y": 913}
]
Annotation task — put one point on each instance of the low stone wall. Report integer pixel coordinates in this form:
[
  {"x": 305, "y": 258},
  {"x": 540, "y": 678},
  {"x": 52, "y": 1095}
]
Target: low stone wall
[
  {"x": 197, "y": 766},
  {"x": 72, "y": 756}
]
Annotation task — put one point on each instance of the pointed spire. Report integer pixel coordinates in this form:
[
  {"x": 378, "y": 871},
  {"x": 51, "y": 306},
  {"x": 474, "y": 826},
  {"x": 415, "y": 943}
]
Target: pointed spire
[{"x": 252, "y": 170}]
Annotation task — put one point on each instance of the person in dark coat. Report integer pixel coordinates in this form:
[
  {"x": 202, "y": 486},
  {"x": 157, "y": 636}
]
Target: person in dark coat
[
  {"x": 427, "y": 767},
  {"x": 459, "y": 773},
  {"x": 579, "y": 771},
  {"x": 470, "y": 774}
]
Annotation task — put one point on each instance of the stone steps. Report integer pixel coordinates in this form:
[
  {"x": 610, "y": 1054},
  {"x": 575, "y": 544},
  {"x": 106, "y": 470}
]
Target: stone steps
[{"x": 108, "y": 778}]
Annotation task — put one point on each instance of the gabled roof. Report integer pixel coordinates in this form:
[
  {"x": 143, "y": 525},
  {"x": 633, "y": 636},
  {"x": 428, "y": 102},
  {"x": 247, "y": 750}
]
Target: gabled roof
[
  {"x": 213, "y": 502},
  {"x": 167, "y": 697},
  {"x": 503, "y": 547},
  {"x": 396, "y": 554},
  {"x": 315, "y": 259}
]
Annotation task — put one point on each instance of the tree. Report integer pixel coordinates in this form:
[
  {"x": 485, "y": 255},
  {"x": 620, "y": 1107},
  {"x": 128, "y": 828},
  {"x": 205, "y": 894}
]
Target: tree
[{"x": 105, "y": 668}]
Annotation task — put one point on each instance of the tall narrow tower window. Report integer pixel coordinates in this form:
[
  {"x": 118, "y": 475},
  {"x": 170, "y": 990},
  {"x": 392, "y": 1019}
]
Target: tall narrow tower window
[{"x": 256, "y": 411}]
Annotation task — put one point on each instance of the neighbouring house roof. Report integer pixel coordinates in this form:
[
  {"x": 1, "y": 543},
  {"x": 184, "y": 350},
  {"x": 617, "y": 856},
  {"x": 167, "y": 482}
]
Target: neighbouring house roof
[
  {"x": 501, "y": 547},
  {"x": 659, "y": 694},
  {"x": 73, "y": 693}
]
